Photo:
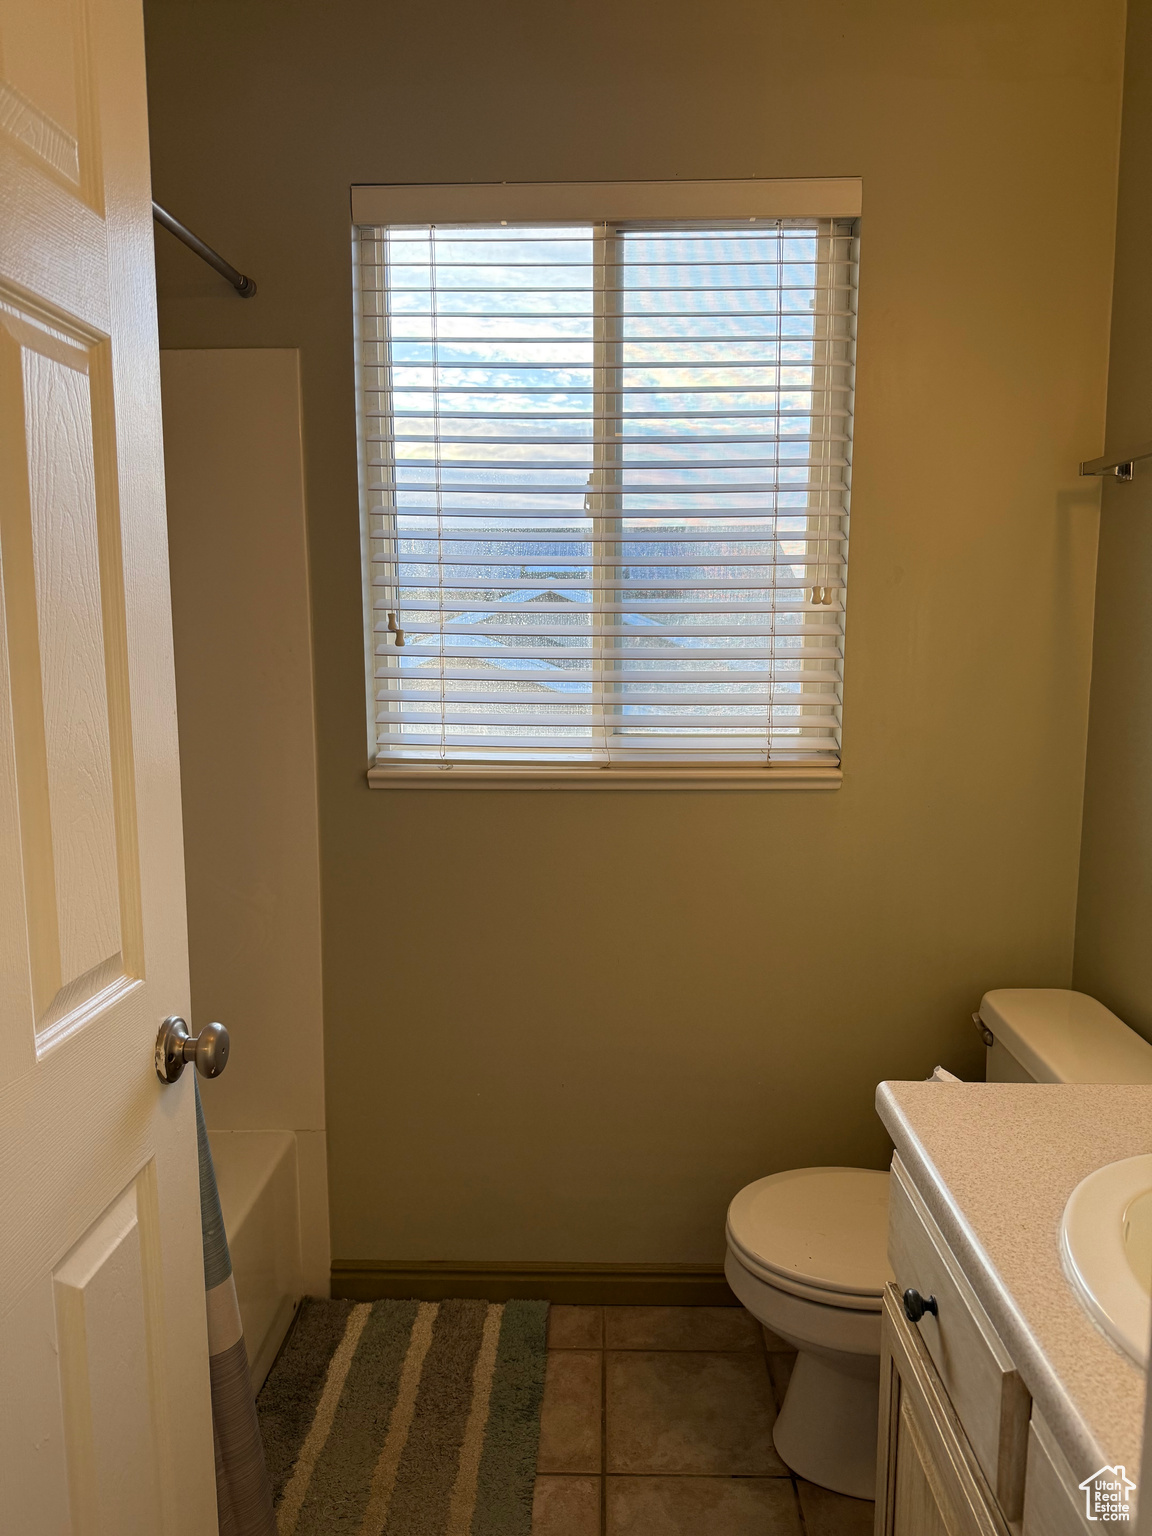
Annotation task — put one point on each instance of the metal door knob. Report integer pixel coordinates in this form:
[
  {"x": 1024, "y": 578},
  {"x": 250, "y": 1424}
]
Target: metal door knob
[{"x": 175, "y": 1047}]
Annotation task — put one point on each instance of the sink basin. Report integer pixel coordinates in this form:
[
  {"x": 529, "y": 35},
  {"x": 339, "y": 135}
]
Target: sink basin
[{"x": 1106, "y": 1248}]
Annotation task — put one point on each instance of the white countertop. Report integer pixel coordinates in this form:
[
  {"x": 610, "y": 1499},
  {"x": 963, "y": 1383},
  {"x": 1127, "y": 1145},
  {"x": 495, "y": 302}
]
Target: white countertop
[{"x": 995, "y": 1164}]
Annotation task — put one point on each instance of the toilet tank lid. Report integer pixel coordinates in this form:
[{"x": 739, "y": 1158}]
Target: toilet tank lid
[{"x": 1066, "y": 1037}]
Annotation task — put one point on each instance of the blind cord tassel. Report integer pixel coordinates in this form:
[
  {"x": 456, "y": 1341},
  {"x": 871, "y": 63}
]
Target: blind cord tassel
[
  {"x": 394, "y": 629},
  {"x": 822, "y": 596}
]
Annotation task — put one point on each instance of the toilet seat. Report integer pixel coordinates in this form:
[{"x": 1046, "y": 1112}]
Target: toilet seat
[
  {"x": 805, "y": 1324},
  {"x": 817, "y": 1233},
  {"x": 822, "y": 1295}
]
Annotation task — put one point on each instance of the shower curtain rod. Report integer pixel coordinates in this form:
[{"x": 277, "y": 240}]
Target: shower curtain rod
[
  {"x": 244, "y": 286},
  {"x": 1121, "y": 467}
]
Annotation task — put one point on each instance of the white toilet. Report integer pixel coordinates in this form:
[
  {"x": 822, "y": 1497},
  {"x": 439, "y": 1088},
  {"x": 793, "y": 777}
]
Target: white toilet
[{"x": 807, "y": 1249}]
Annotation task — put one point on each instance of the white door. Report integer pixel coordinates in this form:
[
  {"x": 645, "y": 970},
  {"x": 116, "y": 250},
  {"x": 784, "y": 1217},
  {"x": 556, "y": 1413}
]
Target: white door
[{"x": 105, "y": 1421}]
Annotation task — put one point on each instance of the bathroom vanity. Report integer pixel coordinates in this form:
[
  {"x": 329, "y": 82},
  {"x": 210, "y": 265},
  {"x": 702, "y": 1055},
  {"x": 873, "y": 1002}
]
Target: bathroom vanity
[{"x": 999, "y": 1396}]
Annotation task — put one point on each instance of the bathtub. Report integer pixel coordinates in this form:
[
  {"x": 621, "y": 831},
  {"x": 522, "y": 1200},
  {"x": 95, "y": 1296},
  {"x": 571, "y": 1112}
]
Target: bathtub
[{"x": 259, "y": 1195}]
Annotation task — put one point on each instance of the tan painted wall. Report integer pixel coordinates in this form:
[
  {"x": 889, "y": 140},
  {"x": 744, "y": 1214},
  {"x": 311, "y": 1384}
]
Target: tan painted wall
[
  {"x": 570, "y": 1026},
  {"x": 1114, "y": 919},
  {"x": 241, "y": 633}
]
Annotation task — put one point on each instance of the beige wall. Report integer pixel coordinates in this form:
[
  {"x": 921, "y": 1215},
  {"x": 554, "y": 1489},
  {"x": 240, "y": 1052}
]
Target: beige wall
[
  {"x": 242, "y": 640},
  {"x": 569, "y": 1026},
  {"x": 1114, "y": 920}
]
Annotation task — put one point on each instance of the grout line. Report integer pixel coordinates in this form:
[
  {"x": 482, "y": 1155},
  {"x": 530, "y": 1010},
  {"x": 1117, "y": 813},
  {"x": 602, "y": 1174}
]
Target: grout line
[
  {"x": 604, "y": 1421},
  {"x": 750, "y": 1477},
  {"x": 799, "y": 1505},
  {"x": 767, "y": 1353},
  {"x": 764, "y": 1355}
]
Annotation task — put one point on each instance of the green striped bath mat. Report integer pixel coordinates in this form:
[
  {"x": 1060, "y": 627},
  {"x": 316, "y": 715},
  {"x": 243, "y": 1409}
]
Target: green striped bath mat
[{"x": 405, "y": 1418}]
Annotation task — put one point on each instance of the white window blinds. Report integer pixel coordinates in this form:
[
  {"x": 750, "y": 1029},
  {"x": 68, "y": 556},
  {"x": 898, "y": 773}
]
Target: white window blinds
[{"x": 606, "y": 473}]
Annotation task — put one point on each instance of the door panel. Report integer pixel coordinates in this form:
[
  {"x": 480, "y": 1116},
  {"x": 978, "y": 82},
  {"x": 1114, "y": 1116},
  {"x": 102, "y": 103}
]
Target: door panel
[
  {"x": 62, "y": 727},
  {"x": 919, "y": 1499},
  {"x": 104, "y": 1292},
  {"x": 45, "y": 89},
  {"x": 105, "y": 1419}
]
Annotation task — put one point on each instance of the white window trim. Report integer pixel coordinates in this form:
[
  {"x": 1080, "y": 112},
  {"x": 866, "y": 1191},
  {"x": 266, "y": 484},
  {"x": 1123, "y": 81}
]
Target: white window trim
[{"x": 596, "y": 202}]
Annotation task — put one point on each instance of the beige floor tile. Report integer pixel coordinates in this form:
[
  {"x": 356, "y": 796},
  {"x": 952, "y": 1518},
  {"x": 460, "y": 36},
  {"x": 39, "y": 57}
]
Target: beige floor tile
[
  {"x": 690, "y": 1412},
  {"x": 780, "y": 1370},
  {"x": 680, "y": 1328},
  {"x": 570, "y": 1414},
  {"x": 575, "y": 1327},
  {"x": 702, "y": 1506},
  {"x": 833, "y": 1514},
  {"x": 566, "y": 1506}
]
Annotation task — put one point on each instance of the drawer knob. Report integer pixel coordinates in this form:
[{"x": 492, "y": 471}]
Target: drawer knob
[{"x": 916, "y": 1305}]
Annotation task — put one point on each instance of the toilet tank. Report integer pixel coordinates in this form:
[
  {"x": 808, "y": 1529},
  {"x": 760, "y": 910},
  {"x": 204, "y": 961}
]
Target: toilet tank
[{"x": 1049, "y": 1035}]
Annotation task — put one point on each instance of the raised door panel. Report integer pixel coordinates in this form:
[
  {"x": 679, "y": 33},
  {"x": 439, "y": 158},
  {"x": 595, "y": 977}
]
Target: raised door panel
[
  {"x": 45, "y": 101},
  {"x": 918, "y": 1498},
  {"x": 70, "y": 747},
  {"x": 106, "y": 1292}
]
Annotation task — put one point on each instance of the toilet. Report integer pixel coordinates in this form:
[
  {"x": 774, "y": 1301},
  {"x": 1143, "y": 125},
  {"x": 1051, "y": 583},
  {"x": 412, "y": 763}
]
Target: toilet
[{"x": 807, "y": 1248}]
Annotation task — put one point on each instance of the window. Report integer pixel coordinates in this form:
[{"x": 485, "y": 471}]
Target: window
[{"x": 605, "y": 469}]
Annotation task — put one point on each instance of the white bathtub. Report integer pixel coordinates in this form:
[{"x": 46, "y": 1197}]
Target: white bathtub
[{"x": 259, "y": 1196}]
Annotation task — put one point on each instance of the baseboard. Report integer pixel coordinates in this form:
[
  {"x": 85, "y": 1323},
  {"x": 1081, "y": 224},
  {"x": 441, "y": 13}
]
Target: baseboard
[{"x": 670, "y": 1285}]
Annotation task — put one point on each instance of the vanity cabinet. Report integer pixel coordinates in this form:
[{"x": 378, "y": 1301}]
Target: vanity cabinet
[
  {"x": 961, "y": 1450},
  {"x": 929, "y": 1482}
]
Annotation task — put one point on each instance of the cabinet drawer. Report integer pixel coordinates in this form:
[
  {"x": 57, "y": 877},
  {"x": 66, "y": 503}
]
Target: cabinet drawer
[{"x": 991, "y": 1401}]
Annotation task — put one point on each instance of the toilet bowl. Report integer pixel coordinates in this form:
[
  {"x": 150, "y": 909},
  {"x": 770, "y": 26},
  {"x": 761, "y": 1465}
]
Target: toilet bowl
[
  {"x": 807, "y": 1257},
  {"x": 807, "y": 1248}
]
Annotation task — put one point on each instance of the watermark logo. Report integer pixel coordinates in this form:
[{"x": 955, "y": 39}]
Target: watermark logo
[{"x": 1108, "y": 1494}]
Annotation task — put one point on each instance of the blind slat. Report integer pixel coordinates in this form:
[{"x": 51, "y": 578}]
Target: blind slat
[
  {"x": 763, "y": 702},
  {"x": 528, "y": 748},
  {"x": 783, "y": 652},
  {"x": 625, "y": 632},
  {"x": 507, "y": 672},
  {"x": 420, "y": 570},
  {"x": 574, "y": 527},
  {"x": 496, "y": 537}
]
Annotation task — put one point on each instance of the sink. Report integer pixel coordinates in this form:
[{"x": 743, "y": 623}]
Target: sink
[{"x": 1106, "y": 1249}]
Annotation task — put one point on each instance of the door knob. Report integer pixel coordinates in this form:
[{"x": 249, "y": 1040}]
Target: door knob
[
  {"x": 916, "y": 1305},
  {"x": 175, "y": 1047}
]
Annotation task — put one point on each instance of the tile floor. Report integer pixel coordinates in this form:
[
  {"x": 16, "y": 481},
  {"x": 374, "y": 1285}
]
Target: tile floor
[{"x": 657, "y": 1421}]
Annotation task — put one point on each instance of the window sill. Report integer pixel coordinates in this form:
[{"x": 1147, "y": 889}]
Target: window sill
[{"x": 538, "y": 776}]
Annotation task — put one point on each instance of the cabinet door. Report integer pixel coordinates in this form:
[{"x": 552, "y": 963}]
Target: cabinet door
[
  {"x": 919, "y": 1503},
  {"x": 928, "y": 1480}
]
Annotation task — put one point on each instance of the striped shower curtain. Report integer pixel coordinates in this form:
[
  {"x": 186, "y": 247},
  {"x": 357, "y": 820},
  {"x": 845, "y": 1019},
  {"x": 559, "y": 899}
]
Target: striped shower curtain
[{"x": 243, "y": 1493}]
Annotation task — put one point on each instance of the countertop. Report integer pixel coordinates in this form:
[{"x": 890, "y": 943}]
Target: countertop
[{"x": 995, "y": 1164}]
